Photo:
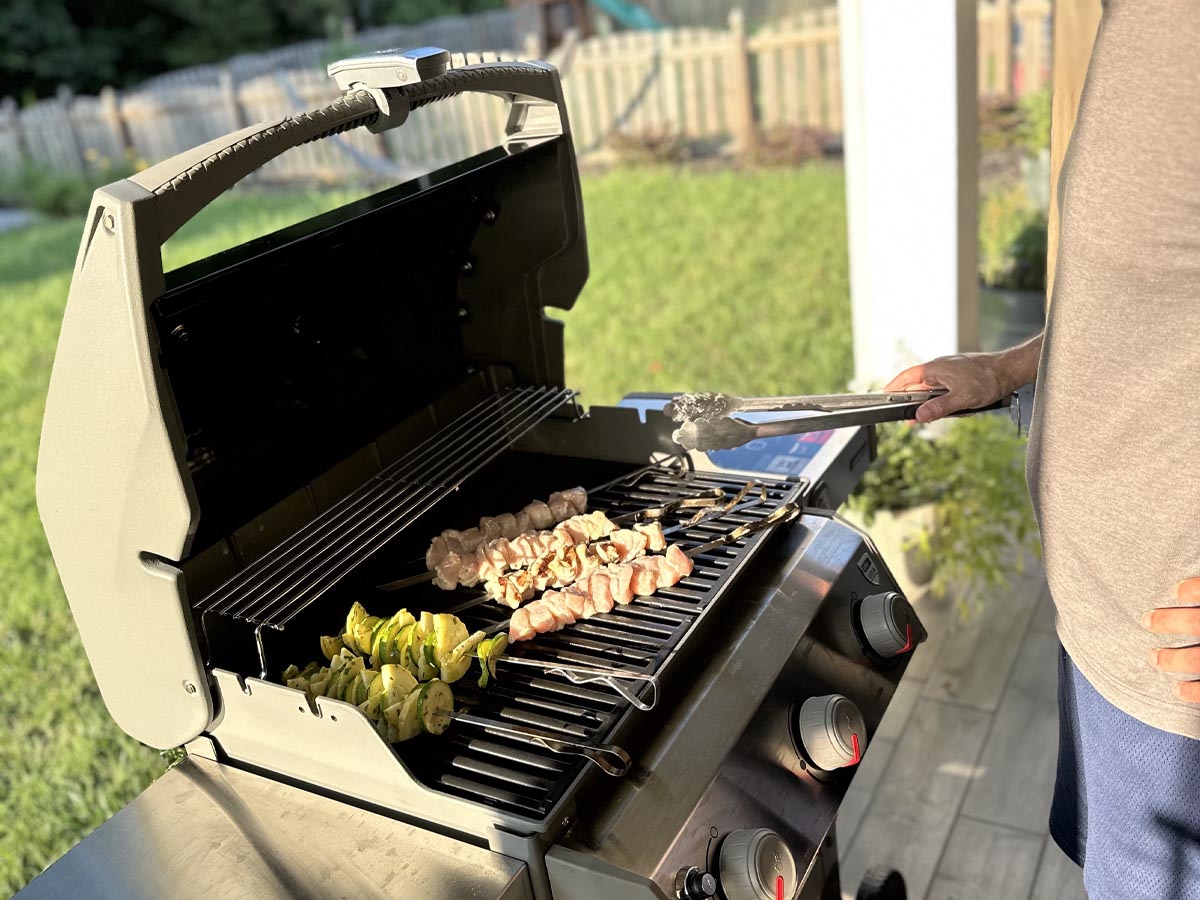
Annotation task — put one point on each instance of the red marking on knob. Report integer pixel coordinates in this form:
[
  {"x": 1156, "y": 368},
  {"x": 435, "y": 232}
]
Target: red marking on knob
[
  {"x": 857, "y": 752},
  {"x": 908, "y": 646},
  {"x": 779, "y": 887}
]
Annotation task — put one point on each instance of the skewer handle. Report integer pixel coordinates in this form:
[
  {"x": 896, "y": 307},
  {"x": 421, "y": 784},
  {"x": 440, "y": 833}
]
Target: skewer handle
[
  {"x": 609, "y": 758},
  {"x": 785, "y": 513}
]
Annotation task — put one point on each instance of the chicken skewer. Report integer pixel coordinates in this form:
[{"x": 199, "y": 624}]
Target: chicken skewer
[
  {"x": 560, "y": 566},
  {"x": 563, "y": 566},
  {"x": 492, "y": 558},
  {"x": 537, "y": 515},
  {"x": 619, "y": 584}
]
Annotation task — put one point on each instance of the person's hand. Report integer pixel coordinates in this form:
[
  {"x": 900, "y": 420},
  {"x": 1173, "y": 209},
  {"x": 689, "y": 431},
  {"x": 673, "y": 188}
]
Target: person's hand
[
  {"x": 972, "y": 381},
  {"x": 1179, "y": 620}
]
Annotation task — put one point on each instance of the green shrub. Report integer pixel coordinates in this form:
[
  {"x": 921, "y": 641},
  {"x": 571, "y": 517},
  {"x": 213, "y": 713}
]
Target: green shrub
[
  {"x": 974, "y": 475},
  {"x": 1034, "y": 131},
  {"x": 54, "y": 192},
  {"x": 1012, "y": 241}
]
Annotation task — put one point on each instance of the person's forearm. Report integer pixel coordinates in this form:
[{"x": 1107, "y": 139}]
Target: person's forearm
[{"x": 1018, "y": 365}]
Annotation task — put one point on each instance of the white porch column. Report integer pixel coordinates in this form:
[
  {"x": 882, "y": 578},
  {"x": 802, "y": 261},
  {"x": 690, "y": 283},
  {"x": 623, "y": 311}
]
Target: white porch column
[{"x": 911, "y": 149}]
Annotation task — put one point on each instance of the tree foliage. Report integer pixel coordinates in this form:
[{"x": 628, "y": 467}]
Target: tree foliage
[{"x": 87, "y": 44}]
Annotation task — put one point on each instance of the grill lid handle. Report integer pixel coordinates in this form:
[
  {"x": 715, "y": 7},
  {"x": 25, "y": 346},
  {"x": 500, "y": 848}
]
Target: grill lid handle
[{"x": 381, "y": 90}]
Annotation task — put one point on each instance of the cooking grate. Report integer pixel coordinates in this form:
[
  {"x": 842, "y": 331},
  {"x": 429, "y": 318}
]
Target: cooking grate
[
  {"x": 519, "y": 777},
  {"x": 313, "y": 559}
]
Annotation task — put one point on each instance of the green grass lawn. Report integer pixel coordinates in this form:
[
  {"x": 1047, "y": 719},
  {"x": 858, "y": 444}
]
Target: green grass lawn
[{"x": 722, "y": 280}]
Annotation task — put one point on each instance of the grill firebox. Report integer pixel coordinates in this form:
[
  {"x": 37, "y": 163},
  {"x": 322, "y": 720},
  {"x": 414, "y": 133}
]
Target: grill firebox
[{"x": 642, "y": 638}]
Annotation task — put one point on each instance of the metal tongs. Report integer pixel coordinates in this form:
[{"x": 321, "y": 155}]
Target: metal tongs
[
  {"x": 609, "y": 758},
  {"x": 707, "y": 422}
]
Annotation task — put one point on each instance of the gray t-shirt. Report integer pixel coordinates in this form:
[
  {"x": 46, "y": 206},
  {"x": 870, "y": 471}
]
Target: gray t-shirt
[{"x": 1114, "y": 454}]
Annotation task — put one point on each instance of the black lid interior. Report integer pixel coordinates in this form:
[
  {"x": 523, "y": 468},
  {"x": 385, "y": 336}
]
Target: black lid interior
[{"x": 290, "y": 353}]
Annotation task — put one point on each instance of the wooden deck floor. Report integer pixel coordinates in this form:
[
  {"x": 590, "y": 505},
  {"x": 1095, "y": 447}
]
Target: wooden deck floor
[{"x": 955, "y": 789}]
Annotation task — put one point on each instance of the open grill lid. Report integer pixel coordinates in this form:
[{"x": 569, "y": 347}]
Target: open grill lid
[{"x": 207, "y": 413}]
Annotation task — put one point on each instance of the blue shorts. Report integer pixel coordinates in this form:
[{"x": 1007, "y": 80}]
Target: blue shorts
[{"x": 1126, "y": 799}]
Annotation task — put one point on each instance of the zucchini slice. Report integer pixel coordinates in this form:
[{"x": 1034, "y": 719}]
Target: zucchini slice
[
  {"x": 408, "y": 719},
  {"x": 363, "y": 632},
  {"x": 395, "y": 651},
  {"x": 489, "y": 652},
  {"x": 398, "y": 683},
  {"x": 449, "y": 632},
  {"x": 456, "y": 664},
  {"x": 435, "y": 701},
  {"x": 357, "y": 614},
  {"x": 331, "y": 646},
  {"x": 429, "y": 664}
]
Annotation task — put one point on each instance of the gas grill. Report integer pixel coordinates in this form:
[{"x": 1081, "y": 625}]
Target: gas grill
[{"x": 236, "y": 451}]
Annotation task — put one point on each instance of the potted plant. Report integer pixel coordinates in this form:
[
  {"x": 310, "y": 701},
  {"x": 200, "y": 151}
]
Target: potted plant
[{"x": 957, "y": 503}]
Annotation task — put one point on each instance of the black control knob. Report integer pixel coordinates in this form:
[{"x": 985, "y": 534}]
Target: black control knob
[
  {"x": 833, "y": 732},
  {"x": 693, "y": 884},
  {"x": 753, "y": 862},
  {"x": 889, "y": 624}
]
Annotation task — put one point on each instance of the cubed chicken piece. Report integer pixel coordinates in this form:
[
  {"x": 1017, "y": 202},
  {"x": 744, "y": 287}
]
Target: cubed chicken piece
[
  {"x": 575, "y": 599},
  {"x": 621, "y": 580},
  {"x": 645, "y": 575},
  {"x": 564, "y": 566},
  {"x": 446, "y": 573},
  {"x": 437, "y": 549},
  {"x": 490, "y": 528},
  {"x": 507, "y": 523},
  {"x": 629, "y": 542},
  {"x": 678, "y": 562},
  {"x": 561, "y": 508},
  {"x": 519, "y": 626},
  {"x": 506, "y": 550},
  {"x": 575, "y": 497},
  {"x": 596, "y": 524},
  {"x": 523, "y": 523},
  {"x": 470, "y": 539},
  {"x": 540, "y": 515},
  {"x": 556, "y": 603},
  {"x": 600, "y": 591},
  {"x": 541, "y": 617},
  {"x": 572, "y": 531},
  {"x": 653, "y": 533}
]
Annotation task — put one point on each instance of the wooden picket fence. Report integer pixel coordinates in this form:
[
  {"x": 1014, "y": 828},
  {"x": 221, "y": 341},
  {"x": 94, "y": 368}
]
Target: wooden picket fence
[{"x": 723, "y": 86}]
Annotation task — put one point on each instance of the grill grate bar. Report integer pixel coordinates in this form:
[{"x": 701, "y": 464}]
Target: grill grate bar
[{"x": 276, "y": 587}]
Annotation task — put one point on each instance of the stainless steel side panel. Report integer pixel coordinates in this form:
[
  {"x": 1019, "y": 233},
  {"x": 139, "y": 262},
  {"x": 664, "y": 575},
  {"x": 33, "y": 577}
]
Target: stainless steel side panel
[
  {"x": 207, "y": 830},
  {"x": 721, "y": 756}
]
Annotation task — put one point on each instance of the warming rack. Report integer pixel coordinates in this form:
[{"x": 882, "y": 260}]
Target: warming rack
[{"x": 276, "y": 587}]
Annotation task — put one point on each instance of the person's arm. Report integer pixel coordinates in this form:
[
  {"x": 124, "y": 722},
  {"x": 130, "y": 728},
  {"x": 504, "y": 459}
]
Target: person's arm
[{"x": 972, "y": 380}]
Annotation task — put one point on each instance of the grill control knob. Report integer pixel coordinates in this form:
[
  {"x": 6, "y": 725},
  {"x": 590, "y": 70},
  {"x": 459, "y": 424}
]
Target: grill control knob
[
  {"x": 693, "y": 884},
  {"x": 833, "y": 732},
  {"x": 889, "y": 624},
  {"x": 752, "y": 861}
]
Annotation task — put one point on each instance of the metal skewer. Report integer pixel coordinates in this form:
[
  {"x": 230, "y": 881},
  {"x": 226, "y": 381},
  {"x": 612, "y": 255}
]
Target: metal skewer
[
  {"x": 613, "y": 678},
  {"x": 609, "y": 758}
]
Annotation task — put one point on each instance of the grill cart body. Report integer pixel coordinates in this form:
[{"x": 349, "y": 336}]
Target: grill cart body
[{"x": 235, "y": 451}]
